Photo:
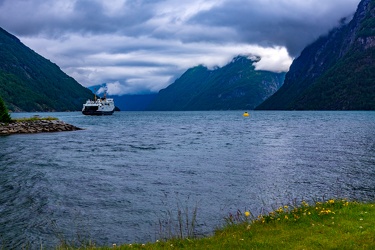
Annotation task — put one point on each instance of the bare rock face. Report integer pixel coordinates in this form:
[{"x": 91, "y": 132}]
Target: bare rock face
[{"x": 39, "y": 126}]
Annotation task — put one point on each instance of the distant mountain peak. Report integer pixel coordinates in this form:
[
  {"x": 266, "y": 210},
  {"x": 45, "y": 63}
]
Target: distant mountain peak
[
  {"x": 236, "y": 85},
  {"x": 245, "y": 58}
]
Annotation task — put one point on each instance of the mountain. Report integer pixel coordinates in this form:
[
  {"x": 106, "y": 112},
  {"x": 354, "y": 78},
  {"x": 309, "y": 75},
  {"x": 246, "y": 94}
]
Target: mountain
[
  {"x": 29, "y": 82},
  {"x": 129, "y": 102},
  {"x": 337, "y": 72},
  {"x": 134, "y": 102},
  {"x": 235, "y": 86}
]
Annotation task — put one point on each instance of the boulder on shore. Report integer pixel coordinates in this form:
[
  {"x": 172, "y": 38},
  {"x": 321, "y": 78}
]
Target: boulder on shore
[{"x": 38, "y": 126}]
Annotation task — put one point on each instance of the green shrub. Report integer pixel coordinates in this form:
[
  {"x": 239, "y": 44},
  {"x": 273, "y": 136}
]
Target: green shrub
[{"x": 4, "y": 115}]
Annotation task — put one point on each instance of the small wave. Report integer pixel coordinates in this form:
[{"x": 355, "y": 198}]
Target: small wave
[
  {"x": 143, "y": 147},
  {"x": 188, "y": 172}
]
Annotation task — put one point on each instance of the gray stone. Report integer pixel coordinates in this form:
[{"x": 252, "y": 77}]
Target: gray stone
[{"x": 35, "y": 127}]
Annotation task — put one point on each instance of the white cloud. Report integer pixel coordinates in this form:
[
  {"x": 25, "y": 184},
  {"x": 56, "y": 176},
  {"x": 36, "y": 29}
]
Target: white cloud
[{"x": 274, "y": 59}]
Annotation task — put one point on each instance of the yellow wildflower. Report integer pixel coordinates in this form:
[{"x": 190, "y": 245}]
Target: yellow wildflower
[
  {"x": 325, "y": 211},
  {"x": 247, "y": 213}
]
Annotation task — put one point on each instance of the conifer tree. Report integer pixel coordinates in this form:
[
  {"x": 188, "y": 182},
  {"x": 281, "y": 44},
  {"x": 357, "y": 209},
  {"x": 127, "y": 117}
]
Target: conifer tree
[{"x": 4, "y": 115}]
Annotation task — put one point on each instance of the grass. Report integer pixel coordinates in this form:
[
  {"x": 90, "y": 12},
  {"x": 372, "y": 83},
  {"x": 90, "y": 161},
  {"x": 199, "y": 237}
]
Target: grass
[
  {"x": 332, "y": 224},
  {"x": 35, "y": 118},
  {"x": 180, "y": 225}
]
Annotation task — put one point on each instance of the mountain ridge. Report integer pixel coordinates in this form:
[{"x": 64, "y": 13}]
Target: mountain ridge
[
  {"x": 30, "y": 82},
  {"x": 235, "y": 86}
]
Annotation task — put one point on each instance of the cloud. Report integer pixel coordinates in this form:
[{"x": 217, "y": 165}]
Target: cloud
[
  {"x": 146, "y": 69},
  {"x": 140, "y": 46},
  {"x": 276, "y": 59}
]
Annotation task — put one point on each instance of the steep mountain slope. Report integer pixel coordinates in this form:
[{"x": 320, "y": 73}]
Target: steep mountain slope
[
  {"x": 29, "y": 82},
  {"x": 337, "y": 72},
  {"x": 235, "y": 86}
]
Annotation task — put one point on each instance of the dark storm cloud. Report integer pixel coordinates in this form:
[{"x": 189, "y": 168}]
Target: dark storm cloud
[
  {"x": 293, "y": 24},
  {"x": 57, "y": 18}
]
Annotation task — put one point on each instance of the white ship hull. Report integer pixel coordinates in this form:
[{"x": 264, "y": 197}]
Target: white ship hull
[{"x": 101, "y": 106}]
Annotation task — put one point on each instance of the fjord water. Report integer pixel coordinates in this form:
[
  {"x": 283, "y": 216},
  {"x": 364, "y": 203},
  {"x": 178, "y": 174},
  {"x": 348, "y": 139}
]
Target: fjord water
[{"x": 113, "y": 181}]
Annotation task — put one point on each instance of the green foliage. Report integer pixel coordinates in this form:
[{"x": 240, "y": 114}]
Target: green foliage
[
  {"x": 235, "y": 86},
  {"x": 348, "y": 85},
  {"x": 29, "y": 82},
  {"x": 4, "y": 115},
  {"x": 367, "y": 26}
]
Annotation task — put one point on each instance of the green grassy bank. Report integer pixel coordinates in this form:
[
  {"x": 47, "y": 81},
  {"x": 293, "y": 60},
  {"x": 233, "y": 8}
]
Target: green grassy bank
[
  {"x": 35, "y": 118},
  {"x": 332, "y": 224}
]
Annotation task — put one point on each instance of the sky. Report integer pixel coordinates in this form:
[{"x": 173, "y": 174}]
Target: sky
[{"x": 142, "y": 46}]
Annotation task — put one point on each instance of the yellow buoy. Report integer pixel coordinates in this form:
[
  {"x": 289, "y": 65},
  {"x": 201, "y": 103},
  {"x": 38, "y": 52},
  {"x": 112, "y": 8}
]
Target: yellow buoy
[{"x": 246, "y": 114}]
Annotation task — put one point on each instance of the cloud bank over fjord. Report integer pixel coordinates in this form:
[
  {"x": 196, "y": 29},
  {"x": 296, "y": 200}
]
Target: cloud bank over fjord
[{"x": 141, "y": 46}]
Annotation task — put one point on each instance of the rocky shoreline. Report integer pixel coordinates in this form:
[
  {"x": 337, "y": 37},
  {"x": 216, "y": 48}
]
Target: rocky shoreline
[{"x": 38, "y": 126}]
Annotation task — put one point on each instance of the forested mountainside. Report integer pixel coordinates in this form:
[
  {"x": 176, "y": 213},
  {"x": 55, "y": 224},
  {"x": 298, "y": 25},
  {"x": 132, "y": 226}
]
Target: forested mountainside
[
  {"x": 235, "y": 86},
  {"x": 337, "y": 72},
  {"x": 29, "y": 82}
]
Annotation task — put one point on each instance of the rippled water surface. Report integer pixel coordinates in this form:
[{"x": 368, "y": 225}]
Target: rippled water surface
[{"x": 113, "y": 181}]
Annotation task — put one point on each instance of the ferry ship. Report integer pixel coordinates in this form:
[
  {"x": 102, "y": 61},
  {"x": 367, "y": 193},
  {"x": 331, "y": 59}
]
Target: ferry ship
[{"x": 99, "y": 106}]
